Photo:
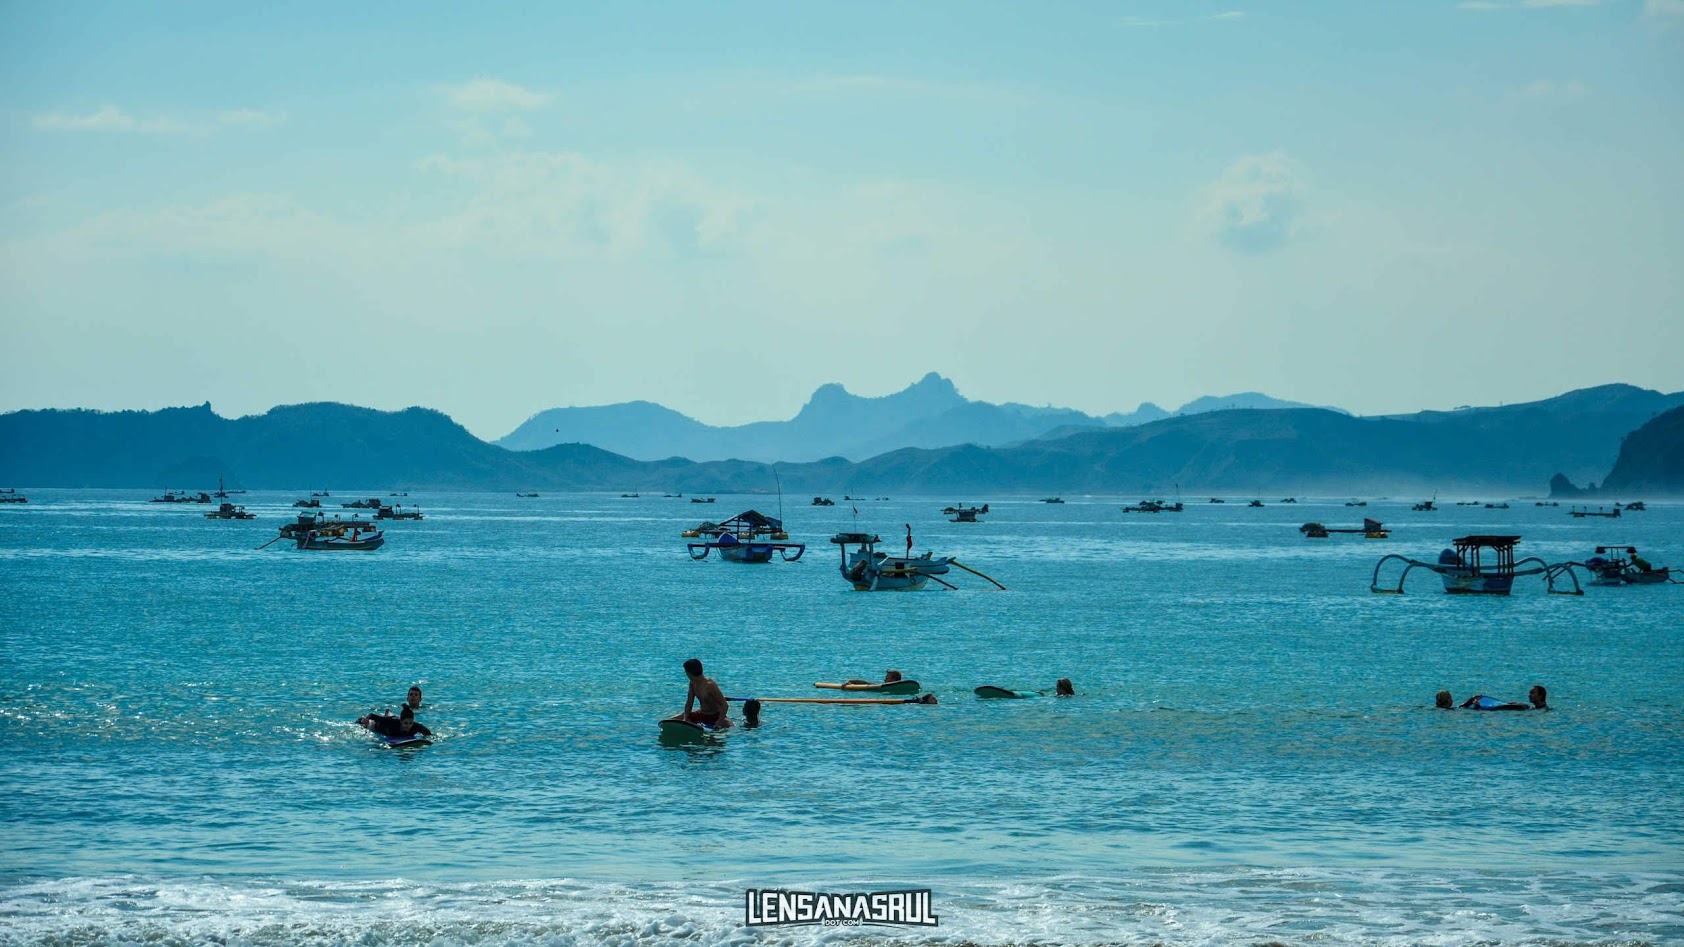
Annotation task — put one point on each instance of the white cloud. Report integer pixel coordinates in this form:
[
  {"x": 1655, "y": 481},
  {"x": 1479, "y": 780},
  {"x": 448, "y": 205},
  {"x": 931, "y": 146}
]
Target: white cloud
[
  {"x": 249, "y": 118},
  {"x": 110, "y": 118},
  {"x": 495, "y": 95},
  {"x": 1257, "y": 204}
]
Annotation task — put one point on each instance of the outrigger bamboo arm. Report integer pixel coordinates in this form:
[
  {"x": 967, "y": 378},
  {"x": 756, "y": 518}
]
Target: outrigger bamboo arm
[{"x": 955, "y": 562}]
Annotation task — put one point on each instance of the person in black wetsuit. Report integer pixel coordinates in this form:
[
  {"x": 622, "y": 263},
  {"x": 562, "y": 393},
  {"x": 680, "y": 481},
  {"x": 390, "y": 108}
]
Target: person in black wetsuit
[{"x": 403, "y": 725}]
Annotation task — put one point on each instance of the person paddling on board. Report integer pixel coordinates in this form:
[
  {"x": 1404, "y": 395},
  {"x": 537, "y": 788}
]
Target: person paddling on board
[
  {"x": 1064, "y": 688},
  {"x": 891, "y": 676},
  {"x": 1537, "y": 697},
  {"x": 711, "y": 709},
  {"x": 403, "y": 725}
]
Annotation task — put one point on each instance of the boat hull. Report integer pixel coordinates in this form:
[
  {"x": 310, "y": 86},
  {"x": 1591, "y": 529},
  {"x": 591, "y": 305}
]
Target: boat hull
[{"x": 1465, "y": 584}]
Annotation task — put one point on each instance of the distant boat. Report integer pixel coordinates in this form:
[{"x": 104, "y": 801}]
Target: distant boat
[
  {"x": 1425, "y": 506},
  {"x": 310, "y": 504},
  {"x": 526, "y": 495},
  {"x": 1370, "y": 529},
  {"x": 701, "y": 499},
  {"x": 1218, "y": 500},
  {"x": 823, "y": 501},
  {"x": 750, "y": 536},
  {"x": 1154, "y": 506},
  {"x": 1255, "y": 503},
  {"x": 629, "y": 496},
  {"x": 372, "y": 503},
  {"x": 1497, "y": 506},
  {"x": 1052, "y": 500},
  {"x": 1356, "y": 503},
  {"x": 228, "y": 511},
  {"x": 1580, "y": 514},
  {"x": 1635, "y": 505},
  {"x": 397, "y": 513},
  {"x": 965, "y": 514}
]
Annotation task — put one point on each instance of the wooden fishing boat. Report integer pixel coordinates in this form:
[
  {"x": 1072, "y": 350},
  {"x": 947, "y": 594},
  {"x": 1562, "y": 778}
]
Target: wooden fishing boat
[
  {"x": 868, "y": 570},
  {"x": 1156, "y": 506},
  {"x": 319, "y": 526},
  {"x": 1580, "y": 513},
  {"x": 965, "y": 514},
  {"x": 1425, "y": 506},
  {"x": 1370, "y": 529},
  {"x": 397, "y": 513},
  {"x": 1465, "y": 570},
  {"x": 172, "y": 497},
  {"x": 339, "y": 540},
  {"x": 372, "y": 503},
  {"x": 12, "y": 496},
  {"x": 701, "y": 499},
  {"x": 1621, "y": 565},
  {"x": 228, "y": 511},
  {"x": 823, "y": 501},
  {"x": 310, "y": 504},
  {"x": 750, "y": 536}
]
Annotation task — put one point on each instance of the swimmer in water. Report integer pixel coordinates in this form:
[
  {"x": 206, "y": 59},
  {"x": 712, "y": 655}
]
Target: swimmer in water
[{"x": 1537, "y": 697}]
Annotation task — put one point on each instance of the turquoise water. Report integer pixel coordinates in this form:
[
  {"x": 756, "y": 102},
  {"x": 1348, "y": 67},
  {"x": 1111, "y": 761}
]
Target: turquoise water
[{"x": 1253, "y": 756}]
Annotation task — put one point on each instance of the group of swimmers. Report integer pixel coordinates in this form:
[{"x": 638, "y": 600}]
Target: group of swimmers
[
  {"x": 403, "y": 724},
  {"x": 713, "y": 710},
  {"x": 1536, "y": 699}
]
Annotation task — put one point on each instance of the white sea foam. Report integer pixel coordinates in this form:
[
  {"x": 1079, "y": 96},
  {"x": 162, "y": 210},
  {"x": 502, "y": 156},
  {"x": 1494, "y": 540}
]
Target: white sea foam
[{"x": 1211, "y": 908}]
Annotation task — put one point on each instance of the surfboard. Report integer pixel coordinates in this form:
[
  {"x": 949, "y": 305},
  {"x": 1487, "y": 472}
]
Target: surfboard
[
  {"x": 897, "y": 687},
  {"x": 683, "y": 731},
  {"x": 414, "y": 739},
  {"x": 831, "y": 700},
  {"x": 1000, "y": 693}
]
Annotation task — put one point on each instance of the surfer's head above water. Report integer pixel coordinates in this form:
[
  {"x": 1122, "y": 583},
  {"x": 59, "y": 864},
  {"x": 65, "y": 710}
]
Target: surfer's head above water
[
  {"x": 1064, "y": 688},
  {"x": 1443, "y": 701},
  {"x": 891, "y": 676},
  {"x": 1538, "y": 696},
  {"x": 693, "y": 667},
  {"x": 414, "y": 698}
]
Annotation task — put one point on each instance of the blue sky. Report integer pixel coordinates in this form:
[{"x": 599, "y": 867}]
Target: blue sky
[{"x": 1383, "y": 206}]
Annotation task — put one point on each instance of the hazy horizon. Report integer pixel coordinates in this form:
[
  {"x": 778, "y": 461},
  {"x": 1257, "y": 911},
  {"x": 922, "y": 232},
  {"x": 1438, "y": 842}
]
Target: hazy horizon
[{"x": 1384, "y": 208}]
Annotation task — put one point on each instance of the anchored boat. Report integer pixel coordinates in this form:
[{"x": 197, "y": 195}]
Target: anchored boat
[
  {"x": 868, "y": 570},
  {"x": 1466, "y": 570},
  {"x": 965, "y": 514},
  {"x": 1371, "y": 529},
  {"x": 228, "y": 511},
  {"x": 1621, "y": 565},
  {"x": 750, "y": 536}
]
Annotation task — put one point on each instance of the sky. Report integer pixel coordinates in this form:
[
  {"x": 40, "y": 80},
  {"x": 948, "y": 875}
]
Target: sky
[{"x": 493, "y": 209}]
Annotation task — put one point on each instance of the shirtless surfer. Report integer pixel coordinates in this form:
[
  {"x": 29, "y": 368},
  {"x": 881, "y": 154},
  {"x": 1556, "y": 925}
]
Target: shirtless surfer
[{"x": 712, "y": 709}]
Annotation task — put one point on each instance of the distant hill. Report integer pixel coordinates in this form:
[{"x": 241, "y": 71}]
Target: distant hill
[
  {"x": 1281, "y": 451},
  {"x": 835, "y": 423},
  {"x": 1651, "y": 461}
]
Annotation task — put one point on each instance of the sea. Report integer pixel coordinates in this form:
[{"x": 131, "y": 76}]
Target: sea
[{"x": 1252, "y": 758}]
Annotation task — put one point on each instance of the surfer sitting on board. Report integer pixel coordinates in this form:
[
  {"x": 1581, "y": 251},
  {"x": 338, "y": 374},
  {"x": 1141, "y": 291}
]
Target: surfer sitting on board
[
  {"x": 705, "y": 692},
  {"x": 403, "y": 725}
]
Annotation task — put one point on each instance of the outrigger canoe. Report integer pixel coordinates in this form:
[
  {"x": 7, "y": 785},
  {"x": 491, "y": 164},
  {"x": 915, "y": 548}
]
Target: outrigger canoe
[
  {"x": 1000, "y": 693},
  {"x": 890, "y": 687}
]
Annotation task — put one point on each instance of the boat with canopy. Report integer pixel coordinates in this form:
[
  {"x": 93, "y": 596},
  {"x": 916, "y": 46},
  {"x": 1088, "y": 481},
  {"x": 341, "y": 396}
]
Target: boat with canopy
[
  {"x": 750, "y": 536},
  {"x": 1480, "y": 565}
]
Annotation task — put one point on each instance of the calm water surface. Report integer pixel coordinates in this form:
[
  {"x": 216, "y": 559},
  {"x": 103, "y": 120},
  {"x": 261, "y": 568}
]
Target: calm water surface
[{"x": 1253, "y": 757}]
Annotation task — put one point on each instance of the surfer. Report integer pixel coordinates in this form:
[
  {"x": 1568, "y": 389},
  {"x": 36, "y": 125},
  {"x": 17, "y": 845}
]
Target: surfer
[
  {"x": 891, "y": 676},
  {"x": 413, "y": 701},
  {"x": 1537, "y": 699},
  {"x": 403, "y": 725},
  {"x": 704, "y": 692},
  {"x": 1443, "y": 701},
  {"x": 1064, "y": 688}
]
